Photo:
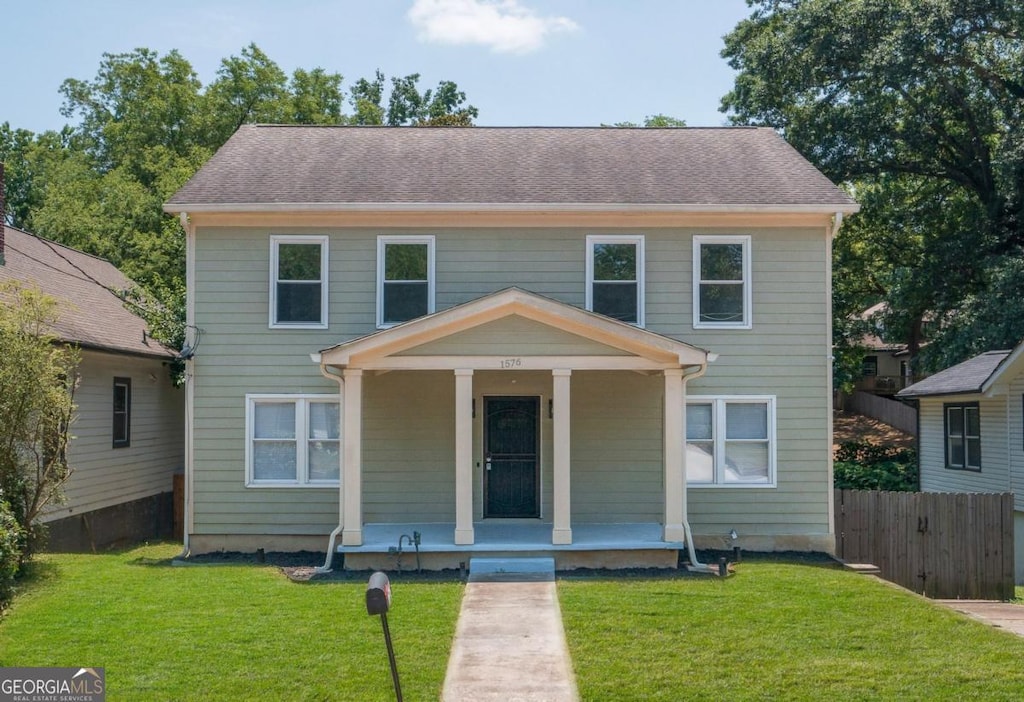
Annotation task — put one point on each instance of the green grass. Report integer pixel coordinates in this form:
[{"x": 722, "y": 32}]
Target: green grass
[
  {"x": 779, "y": 631},
  {"x": 225, "y": 632}
]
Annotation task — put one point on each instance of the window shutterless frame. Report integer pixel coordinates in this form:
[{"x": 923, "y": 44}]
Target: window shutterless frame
[
  {"x": 709, "y": 280},
  {"x": 961, "y": 424},
  {"x": 611, "y": 275},
  {"x": 122, "y": 424},
  {"x": 720, "y": 442},
  {"x": 301, "y": 436},
  {"x": 384, "y": 320},
  {"x": 281, "y": 285}
]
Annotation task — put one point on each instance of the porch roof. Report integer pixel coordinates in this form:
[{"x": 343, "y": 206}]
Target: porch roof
[{"x": 640, "y": 349}]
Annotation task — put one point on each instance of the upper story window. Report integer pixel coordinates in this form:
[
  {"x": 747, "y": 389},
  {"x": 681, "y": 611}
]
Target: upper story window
[
  {"x": 122, "y": 412},
  {"x": 721, "y": 282},
  {"x": 730, "y": 441},
  {"x": 293, "y": 440},
  {"x": 615, "y": 277},
  {"x": 405, "y": 278},
  {"x": 298, "y": 282},
  {"x": 963, "y": 436}
]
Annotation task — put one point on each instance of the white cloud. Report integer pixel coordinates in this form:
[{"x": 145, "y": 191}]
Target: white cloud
[{"x": 503, "y": 25}]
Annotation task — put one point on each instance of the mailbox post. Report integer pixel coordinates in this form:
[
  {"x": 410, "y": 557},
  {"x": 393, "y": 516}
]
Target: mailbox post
[{"x": 378, "y": 602}]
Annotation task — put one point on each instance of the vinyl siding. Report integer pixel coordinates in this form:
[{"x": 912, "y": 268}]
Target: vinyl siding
[
  {"x": 102, "y": 475},
  {"x": 616, "y": 451},
  {"x": 1015, "y": 431},
  {"x": 515, "y": 336},
  {"x": 994, "y": 475}
]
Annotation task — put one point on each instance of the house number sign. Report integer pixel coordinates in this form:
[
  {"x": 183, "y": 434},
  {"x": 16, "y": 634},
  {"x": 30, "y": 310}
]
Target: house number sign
[{"x": 508, "y": 363}]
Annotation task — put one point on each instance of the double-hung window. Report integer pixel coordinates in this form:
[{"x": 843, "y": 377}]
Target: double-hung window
[
  {"x": 615, "y": 277},
  {"x": 730, "y": 441},
  {"x": 122, "y": 412},
  {"x": 405, "y": 278},
  {"x": 721, "y": 282},
  {"x": 963, "y": 436},
  {"x": 292, "y": 440},
  {"x": 298, "y": 282}
]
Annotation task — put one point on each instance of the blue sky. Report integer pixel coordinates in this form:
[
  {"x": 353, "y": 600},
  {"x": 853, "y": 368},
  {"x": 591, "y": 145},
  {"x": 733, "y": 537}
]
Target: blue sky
[{"x": 521, "y": 62}]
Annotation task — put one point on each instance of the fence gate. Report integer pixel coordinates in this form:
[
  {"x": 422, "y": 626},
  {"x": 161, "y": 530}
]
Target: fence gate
[{"x": 942, "y": 545}]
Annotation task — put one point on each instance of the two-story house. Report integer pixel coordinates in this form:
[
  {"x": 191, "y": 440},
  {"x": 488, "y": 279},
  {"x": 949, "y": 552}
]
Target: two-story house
[{"x": 596, "y": 343}]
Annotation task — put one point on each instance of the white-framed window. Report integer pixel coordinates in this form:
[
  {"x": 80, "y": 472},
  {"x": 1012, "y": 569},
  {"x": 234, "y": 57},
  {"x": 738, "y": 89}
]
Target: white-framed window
[
  {"x": 615, "y": 276},
  {"x": 963, "y": 436},
  {"x": 730, "y": 441},
  {"x": 721, "y": 282},
  {"x": 292, "y": 440},
  {"x": 405, "y": 278},
  {"x": 298, "y": 282}
]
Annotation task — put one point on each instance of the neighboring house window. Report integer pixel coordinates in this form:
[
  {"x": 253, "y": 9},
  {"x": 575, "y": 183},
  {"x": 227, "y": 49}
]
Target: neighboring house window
[
  {"x": 298, "y": 282},
  {"x": 730, "y": 441},
  {"x": 963, "y": 436},
  {"x": 721, "y": 282},
  {"x": 122, "y": 412},
  {"x": 615, "y": 277},
  {"x": 292, "y": 440},
  {"x": 869, "y": 366},
  {"x": 405, "y": 278}
]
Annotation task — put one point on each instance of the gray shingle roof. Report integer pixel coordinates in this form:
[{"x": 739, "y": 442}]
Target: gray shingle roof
[
  {"x": 966, "y": 377},
  {"x": 90, "y": 315},
  {"x": 312, "y": 165}
]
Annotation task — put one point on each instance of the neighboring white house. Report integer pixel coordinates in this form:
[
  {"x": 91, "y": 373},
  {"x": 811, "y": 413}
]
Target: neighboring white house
[
  {"x": 596, "y": 343},
  {"x": 129, "y": 427},
  {"x": 971, "y": 436}
]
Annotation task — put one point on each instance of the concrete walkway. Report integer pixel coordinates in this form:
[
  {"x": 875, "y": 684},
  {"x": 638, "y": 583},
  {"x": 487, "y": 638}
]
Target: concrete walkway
[
  {"x": 509, "y": 643},
  {"x": 1002, "y": 615}
]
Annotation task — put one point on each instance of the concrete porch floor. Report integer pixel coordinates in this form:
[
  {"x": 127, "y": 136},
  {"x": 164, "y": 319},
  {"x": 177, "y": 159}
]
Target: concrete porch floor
[{"x": 514, "y": 536}]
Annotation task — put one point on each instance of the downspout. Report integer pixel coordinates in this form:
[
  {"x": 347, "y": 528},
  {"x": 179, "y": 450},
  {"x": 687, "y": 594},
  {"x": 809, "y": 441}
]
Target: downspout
[
  {"x": 333, "y": 538},
  {"x": 190, "y": 320},
  {"x": 695, "y": 565},
  {"x": 837, "y": 222}
]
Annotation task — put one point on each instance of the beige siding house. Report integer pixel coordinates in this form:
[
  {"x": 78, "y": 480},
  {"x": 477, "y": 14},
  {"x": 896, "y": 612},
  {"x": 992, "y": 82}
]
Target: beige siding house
[
  {"x": 601, "y": 344},
  {"x": 971, "y": 435},
  {"x": 128, "y": 434}
]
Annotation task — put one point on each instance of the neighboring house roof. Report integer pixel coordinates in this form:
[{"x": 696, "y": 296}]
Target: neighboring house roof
[
  {"x": 971, "y": 376},
  {"x": 338, "y": 168},
  {"x": 874, "y": 341},
  {"x": 91, "y": 315}
]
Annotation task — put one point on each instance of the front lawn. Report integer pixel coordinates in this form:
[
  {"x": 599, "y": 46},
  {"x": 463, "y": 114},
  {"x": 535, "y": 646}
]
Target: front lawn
[
  {"x": 225, "y": 632},
  {"x": 778, "y": 631}
]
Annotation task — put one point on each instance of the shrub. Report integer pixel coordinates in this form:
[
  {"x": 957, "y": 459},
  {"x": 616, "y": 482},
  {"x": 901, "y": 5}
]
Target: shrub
[
  {"x": 861, "y": 465},
  {"x": 12, "y": 545}
]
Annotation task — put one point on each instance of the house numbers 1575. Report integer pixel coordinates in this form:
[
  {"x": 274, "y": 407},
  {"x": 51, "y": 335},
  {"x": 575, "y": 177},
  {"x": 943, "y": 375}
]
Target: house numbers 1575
[{"x": 509, "y": 363}]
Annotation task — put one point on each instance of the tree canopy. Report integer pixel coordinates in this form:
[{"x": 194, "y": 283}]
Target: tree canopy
[
  {"x": 916, "y": 106},
  {"x": 145, "y": 123}
]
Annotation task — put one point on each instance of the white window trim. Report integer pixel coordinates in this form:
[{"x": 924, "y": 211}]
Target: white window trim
[
  {"x": 718, "y": 403},
  {"x": 275, "y": 241},
  {"x": 638, "y": 241},
  {"x": 382, "y": 242},
  {"x": 748, "y": 285},
  {"x": 301, "y": 435}
]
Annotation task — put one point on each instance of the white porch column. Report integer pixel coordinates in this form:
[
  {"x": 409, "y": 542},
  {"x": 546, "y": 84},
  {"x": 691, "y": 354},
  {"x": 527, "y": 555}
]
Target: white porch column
[
  {"x": 675, "y": 460},
  {"x": 352, "y": 463},
  {"x": 561, "y": 532},
  {"x": 463, "y": 456}
]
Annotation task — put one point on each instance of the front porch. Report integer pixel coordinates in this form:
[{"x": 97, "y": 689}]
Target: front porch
[{"x": 594, "y": 545}]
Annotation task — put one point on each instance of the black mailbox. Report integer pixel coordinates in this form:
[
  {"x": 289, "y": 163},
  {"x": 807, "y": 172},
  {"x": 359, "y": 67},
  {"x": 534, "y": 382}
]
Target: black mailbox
[{"x": 378, "y": 594}]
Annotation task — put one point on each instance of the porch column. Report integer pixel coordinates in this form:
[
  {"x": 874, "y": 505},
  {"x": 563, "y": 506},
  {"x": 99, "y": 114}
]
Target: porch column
[
  {"x": 463, "y": 456},
  {"x": 352, "y": 463},
  {"x": 561, "y": 532},
  {"x": 675, "y": 461}
]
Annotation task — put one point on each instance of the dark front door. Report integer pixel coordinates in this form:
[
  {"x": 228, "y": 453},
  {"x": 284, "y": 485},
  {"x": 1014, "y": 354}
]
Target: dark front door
[{"x": 511, "y": 457}]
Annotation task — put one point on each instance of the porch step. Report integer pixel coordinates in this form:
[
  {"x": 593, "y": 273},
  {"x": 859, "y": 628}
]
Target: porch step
[{"x": 511, "y": 569}]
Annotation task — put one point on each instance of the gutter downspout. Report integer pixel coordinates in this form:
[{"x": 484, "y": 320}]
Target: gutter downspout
[
  {"x": 190, "y": 390},
  {"x": 837, "y": 222},
  {"x": 333, "y": 538},
  {"x": 695, "y": 565}
]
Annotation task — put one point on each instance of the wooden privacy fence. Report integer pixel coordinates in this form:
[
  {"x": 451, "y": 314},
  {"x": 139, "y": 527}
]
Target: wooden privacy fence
[{"x": 942, "y": 545}]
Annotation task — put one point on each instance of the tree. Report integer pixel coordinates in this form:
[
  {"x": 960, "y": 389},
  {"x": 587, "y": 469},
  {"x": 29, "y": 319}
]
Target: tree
[
  {"x": 658, "y": 120},
  {"x": 37, "y": 387},
  {"x": 407, "y": 106},
  {"x": 917, "y": 105}
]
